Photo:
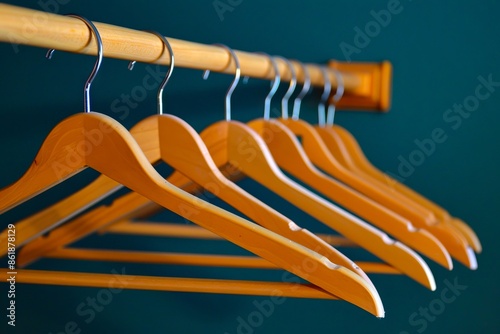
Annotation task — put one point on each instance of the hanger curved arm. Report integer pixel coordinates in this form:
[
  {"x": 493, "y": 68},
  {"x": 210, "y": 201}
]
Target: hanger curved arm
[
  {"x": 237, "y": 144},
  {"x": 348, "y": 152},
  {"x": 317, "y": 152},
  {"x": 289, "y": 155},
  {"x": 118, "y": 156}
]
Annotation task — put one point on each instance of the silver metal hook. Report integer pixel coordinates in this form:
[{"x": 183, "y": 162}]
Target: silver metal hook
[
  {"x": 97, "y": 65},
  {"x": 324, "y": 97},
  {"x": 274, "y": 86},
  {"x": 336, "y": 98},
  {"x": 291, "y": 88},
  {"x": 237, "y": 75},
  {"x": 159, "y": 95},
  {"x": 305, "y": 89}
]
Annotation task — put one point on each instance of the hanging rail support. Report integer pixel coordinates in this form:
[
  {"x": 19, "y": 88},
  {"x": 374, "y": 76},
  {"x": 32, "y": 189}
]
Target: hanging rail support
[{"x": 375, "y": 92}]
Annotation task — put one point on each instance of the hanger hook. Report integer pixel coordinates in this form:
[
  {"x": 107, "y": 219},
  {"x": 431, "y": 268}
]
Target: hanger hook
[
  {"x": 305, "y": 89},
  {"x": 97, "y": 65},
  {"x": 166, "y": 44},
  {"x": 237, "y": 75},
  {"x": 274, "y": 86},
  {"x": 324, "y": 97},
  {"x": 291, "y": 88},
  {"x": 336, "y": 98}
]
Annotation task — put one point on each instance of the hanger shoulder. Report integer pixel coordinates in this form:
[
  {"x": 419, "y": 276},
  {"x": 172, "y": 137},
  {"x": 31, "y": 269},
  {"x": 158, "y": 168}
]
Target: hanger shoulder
[
  {"x": 60, "y": 156},
  {"x": 146, "y": 134},
  {"x": 86, "y": 139},
  {"x": 290, "y": 156}
]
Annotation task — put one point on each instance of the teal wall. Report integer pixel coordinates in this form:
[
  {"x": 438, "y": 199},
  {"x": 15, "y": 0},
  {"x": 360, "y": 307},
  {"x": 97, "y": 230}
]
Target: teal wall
[{"x": 438, "y": 49}]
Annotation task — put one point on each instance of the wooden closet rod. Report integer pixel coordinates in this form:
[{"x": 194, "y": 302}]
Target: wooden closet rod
[{"x": 367, "y": 85}]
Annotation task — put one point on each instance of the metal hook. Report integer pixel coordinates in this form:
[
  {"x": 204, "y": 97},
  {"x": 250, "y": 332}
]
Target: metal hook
[
  {"x": 291, "y": 88},
  {"x": 324, "y": 97},
  {"x": 274, "y": 86},
  {"x": 236, "y": 79},
  {"x": 97, "y": 65},
  {"x": 338, "y": 95},
  {"x": 159, "y": 95},
  {"x": 305, "y": 89}
]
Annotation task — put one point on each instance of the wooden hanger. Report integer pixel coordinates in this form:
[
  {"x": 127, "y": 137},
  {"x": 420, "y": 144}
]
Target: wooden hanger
[
  {"x": 289, "y": 155},
  {"x": 99, "y": 142},
  {"x": 317, "y": 152},
  {"x": 348, "y": 152}
]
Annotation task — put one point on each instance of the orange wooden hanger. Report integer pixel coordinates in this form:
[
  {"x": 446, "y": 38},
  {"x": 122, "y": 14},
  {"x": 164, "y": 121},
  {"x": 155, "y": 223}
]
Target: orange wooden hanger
[
  {"x": 105, "y": 146},
  {"x": 289, "y": 155},
  {"x": 321, "y": 157}
]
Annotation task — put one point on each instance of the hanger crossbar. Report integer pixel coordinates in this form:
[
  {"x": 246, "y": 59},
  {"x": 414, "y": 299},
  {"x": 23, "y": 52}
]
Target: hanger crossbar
[
  {"x": 174, "y": 284},
  {"x": 227, "y": 261},
  {"x": 190, "y": 231}
]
